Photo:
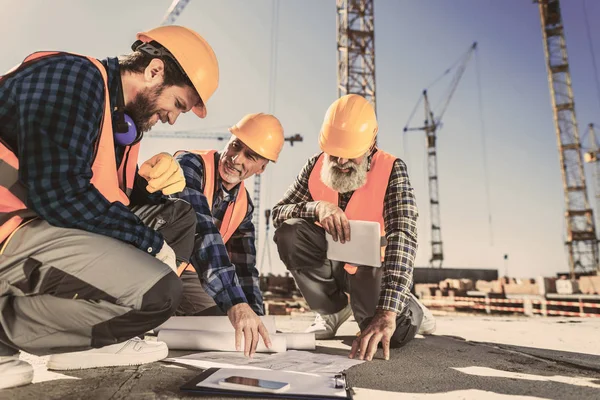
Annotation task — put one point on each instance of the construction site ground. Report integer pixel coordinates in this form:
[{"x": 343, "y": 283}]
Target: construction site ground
[{"x": 469, "y": 357}]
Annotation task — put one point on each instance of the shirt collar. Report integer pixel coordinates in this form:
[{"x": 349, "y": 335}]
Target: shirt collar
[{"x": 113, "y": 71}]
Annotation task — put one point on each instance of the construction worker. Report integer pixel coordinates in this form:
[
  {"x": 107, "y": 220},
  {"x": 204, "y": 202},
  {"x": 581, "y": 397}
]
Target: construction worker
[
  {"x": 88, "y": 244},
  {"x": 224, "y": 255},
  {"x": 353, "y": 180}
]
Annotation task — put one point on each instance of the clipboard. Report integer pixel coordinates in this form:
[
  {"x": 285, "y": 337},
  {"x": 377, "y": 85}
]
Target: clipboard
[{"x": 204, "y": 378}]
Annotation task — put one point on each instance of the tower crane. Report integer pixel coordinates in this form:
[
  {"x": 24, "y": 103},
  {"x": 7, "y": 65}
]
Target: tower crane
[
  {"x": 593, "y": 156},
  {"x": 356, "y": 48},
  {"x": 581, "y": 240},
  {"x": 431, "y": 125}
]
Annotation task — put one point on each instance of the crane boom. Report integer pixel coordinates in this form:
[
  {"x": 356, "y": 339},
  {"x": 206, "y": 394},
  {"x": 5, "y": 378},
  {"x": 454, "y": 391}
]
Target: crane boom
[
  {"x": 174, "y": 11},
  {"x": 432, "y": 123}
]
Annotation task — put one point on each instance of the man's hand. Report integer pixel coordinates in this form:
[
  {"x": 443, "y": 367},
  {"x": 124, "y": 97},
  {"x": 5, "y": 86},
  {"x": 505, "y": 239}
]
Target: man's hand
[
  {"x": 247, "y": 323},
  {"x": 333, "y": 220},
  {"x": 380, "y": 329},
  {"x": 167, "y": 255},
  {"x": 163, "y": 173}
]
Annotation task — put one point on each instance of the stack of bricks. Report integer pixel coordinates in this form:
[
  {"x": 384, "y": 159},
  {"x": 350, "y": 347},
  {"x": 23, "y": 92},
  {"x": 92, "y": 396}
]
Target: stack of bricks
[
  {"x": 521, "y": 286},
  {"x": 495, "y": 287},
  {"x": 589, "y": 284}
]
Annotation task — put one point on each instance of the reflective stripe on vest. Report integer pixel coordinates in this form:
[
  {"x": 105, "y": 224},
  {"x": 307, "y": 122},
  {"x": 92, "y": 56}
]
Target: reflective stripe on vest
[
  {"x": 112, "y": 184},
  {"x": 236, "y": 210},
  {"x": 366, "y": 203}
]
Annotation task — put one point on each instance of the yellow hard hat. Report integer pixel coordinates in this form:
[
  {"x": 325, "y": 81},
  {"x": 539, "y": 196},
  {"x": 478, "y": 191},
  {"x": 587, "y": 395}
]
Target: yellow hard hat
[
  {"x": 263, "y": 133},
  {"x": 349, "y": 128},
  {"x": 193, "y": 54}
]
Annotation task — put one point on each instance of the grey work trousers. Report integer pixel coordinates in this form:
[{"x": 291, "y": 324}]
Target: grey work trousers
[
  {"x": 324, "y": 283},
  {"x": 64, "y": 290},
  {"x": 194, "y": 299}
]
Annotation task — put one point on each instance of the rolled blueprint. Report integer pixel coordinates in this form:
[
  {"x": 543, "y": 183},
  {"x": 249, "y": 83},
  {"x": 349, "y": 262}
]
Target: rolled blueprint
[
  {"x": 210, "y": 324},
  {"x": 178, "y": 339}
]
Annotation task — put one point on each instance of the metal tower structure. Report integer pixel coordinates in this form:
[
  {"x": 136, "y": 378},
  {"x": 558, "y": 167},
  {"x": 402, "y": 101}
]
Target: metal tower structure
[
  {"x": 581, "y": 241},
  {"x": 593, "y": 156},
  {"x": 356, "y": 48},
  {"x": 430, "y": 127}
]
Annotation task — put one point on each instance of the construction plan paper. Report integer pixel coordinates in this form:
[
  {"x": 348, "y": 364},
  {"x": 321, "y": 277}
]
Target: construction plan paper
[
  {"x": 177, "y": 339},
  {"x": 300, "y": 383},
  {"x": 210, "y": 323},
  {"x": 292, "y": 360},
  {"x": 364, "y": 247}
]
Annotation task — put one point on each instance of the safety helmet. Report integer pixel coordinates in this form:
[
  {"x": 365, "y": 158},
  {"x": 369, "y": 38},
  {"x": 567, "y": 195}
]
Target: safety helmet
[
  {"x": 349, "y": 128},
  {"x": 263, "y": 133},
  {"x": 193, "y": 54}
]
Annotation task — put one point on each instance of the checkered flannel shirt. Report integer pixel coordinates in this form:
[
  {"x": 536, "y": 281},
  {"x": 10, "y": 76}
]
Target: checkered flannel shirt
[
  {"x": 227, "y": 271},
  {"x": 50, "y": 113}
]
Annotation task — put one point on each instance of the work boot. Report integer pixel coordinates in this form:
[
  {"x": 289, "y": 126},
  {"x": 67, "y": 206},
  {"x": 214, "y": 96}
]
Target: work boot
[
  {"x": 14, "y": 372},
  {"x": 324, "y": 327},
  {"x": 132, "y": 352},
  {"x": 428, "y": 324}
]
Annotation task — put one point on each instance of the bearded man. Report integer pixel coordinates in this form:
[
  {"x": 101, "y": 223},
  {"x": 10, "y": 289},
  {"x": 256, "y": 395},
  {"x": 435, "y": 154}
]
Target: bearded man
[
  {"x": 89, "y": 247},
  {"x": 353, "y": 180}
]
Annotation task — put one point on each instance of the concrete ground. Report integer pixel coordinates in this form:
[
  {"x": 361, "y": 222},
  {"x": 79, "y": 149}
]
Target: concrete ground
[{"x": 469, "y": 357}]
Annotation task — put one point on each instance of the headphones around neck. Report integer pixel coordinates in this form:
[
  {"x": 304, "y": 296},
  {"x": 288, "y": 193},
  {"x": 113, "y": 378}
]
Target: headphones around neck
[{"x": 125, "y": 131}]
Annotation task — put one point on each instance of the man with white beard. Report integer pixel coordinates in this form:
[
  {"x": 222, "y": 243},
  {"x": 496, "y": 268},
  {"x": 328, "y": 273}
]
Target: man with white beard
[{"x": 353, "y": 180}]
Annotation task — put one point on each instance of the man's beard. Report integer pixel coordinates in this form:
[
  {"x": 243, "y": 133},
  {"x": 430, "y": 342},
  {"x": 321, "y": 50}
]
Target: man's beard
[
  {"x": 343, "y": 182},
  {"x": 144, "y": 107}
]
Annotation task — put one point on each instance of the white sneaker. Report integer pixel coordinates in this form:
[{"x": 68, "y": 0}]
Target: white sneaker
[
  {"x": 132, "y": 352},
  {"x": 14, "y": 372},
  {"x": 428, "y": 324},
  {"x": 324, "y": 327}
]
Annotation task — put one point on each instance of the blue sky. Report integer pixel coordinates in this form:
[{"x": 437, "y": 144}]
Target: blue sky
[{"x": 415, "y": 42}]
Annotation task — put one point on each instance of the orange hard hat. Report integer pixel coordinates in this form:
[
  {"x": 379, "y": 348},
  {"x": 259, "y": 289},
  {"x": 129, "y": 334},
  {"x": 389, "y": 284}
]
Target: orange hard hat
[
  {"x": 193, "y": 54},
  {"x": 349, "y": 128},
  {"x": 263, "y": 133}
]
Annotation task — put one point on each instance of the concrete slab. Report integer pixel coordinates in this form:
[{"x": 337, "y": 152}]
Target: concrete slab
[{"x": 469, "y": 357}]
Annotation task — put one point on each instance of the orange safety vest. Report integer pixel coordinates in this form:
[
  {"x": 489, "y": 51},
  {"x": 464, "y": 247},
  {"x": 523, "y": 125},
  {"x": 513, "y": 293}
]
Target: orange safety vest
[
  {"x": 236, "y": 210},
  {"x": 366, "y": 203},
  {"x": 114, "y": 185}
]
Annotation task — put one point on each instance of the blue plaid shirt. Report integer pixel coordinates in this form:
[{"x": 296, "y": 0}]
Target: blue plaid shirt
[
  {"x": 50, "y": 113},
  {"x": 227, "y": 271}
]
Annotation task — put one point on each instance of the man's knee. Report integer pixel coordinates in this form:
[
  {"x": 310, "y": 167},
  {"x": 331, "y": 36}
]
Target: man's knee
[
  {"x": 163, "y": 298},
  {"x": 300, "y": 244},
  {"x": 158, "y": 304}
]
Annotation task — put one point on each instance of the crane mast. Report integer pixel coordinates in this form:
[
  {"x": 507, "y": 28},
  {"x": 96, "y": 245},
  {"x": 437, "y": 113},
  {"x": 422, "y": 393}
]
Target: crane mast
[
  {"x": 430, "y": 127},
  {"x": 581, "y": 241},
  {"x": 356, "y": 48}
]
